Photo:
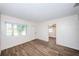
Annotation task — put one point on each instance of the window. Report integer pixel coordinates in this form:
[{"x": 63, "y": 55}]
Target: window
[
  {"x": 19, "y": 29},
  {"x": 15, "y": 29},
  {"x": 8, "y": 29}
]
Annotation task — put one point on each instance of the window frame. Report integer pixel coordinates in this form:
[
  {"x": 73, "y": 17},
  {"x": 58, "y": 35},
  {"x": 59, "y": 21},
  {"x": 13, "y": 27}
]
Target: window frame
[{"x": 13, "y": 29}]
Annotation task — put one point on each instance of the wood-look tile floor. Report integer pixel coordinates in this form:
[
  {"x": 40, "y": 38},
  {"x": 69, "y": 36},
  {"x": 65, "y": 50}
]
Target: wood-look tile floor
[{"x": 38, "y": 48}]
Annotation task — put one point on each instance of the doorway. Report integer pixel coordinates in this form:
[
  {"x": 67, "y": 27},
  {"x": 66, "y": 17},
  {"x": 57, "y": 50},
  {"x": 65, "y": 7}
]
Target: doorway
[{"x": 52, "y": 35}]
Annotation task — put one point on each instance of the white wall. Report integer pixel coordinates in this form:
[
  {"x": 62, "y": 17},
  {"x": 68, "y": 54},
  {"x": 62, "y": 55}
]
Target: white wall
[
  {"x": 0, "y": 34},
  {"x": 42, "y": 32},
  {"x": 67, "y": 31},
  {"x": 7, "y": 42}
]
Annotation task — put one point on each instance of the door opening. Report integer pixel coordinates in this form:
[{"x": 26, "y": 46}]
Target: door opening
[{"x": 52, "y": 35}]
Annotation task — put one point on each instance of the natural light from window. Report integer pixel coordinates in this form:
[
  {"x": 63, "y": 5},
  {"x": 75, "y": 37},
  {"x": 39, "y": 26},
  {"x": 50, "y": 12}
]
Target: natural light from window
[{"x": 15, "y": 29}]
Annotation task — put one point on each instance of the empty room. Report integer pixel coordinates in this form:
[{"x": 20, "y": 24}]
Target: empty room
[{"x": 41, "y": 29}]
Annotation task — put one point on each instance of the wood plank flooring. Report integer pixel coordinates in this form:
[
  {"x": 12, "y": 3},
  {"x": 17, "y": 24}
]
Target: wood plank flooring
[
  {"x": 63, "y": 51},
  {"x": 39, "y": 48}
]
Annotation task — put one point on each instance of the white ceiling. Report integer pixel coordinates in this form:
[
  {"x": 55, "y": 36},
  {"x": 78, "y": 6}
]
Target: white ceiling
[{"x": 39, "y": 12}]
